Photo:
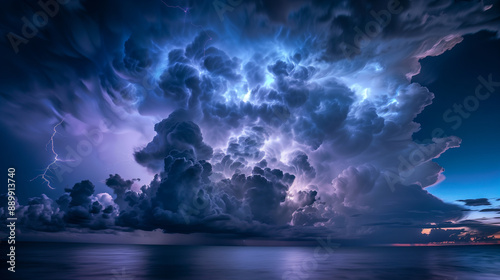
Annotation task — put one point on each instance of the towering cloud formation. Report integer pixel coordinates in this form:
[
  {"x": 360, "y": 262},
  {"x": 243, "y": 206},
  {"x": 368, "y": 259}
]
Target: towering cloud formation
[
  {"x": 267, "y": 124},
  {"x": 174, "y": 134}
]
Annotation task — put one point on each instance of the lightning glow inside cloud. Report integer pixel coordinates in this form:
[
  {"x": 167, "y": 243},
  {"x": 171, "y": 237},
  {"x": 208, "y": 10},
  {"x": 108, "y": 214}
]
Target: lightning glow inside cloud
[{"x": 255, "y": 126}]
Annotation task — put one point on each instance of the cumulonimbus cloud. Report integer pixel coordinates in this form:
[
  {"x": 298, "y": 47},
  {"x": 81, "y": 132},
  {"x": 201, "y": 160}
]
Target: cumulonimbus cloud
[{"x": 273, "y": 132}]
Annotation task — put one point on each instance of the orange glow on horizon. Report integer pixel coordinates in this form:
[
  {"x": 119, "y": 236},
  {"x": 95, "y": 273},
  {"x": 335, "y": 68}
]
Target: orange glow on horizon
[
  {"x": 445, "y": 243},
  {"x": 426, "y": 231}
]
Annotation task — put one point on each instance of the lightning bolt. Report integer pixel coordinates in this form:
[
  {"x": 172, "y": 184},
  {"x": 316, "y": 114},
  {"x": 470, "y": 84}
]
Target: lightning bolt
[
  {"x": 45, "y": 177},
  {"x": 186, "y": 11}
]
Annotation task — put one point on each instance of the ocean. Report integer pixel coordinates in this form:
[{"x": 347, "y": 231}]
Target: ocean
[{"x": 69, "y": 261}]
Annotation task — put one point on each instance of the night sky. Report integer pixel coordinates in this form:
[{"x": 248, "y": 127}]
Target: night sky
[{"x": 373, "y": 122}]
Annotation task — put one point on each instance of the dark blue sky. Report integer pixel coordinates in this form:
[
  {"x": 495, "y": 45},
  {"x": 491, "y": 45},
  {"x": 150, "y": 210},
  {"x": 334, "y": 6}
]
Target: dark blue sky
[{"x": 473, "y": 170}]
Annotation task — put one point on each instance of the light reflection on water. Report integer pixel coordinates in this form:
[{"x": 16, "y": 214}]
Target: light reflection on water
[{"x": 63, "y": 261}]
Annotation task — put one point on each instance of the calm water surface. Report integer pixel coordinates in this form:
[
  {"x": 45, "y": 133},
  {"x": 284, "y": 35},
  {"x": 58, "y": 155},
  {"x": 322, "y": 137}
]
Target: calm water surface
[{"x": 62, "y": 261}]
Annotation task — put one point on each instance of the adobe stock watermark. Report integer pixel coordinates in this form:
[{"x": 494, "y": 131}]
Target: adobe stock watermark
[
  {"x": 148, "y": 82},
  {"x": 121, "y": 274},
  {"x": 11, "y": 218},
  {"x": 281, "y": 113},
  {"x": 197, "y": 205},
  {"x": 322, "y": 252},
  {"x": 29, "y": 29},
  {"x": 222, "y": 6},
  {"x": 470, "y": 103},
  {"x": 372, "y": 28},
  {"x": 454, "y": 115}
]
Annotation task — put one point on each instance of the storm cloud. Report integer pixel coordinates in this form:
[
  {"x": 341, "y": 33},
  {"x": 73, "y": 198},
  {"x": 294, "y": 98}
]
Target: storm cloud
[{"x": 281, "y": 121}]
